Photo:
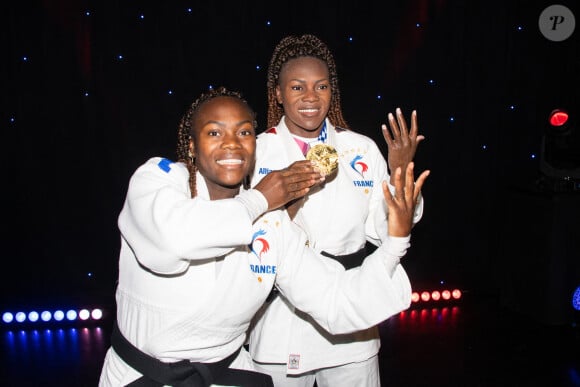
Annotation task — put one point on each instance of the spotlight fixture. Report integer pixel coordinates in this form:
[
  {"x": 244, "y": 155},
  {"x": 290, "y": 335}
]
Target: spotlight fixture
[{"x": 560, "y": 151}]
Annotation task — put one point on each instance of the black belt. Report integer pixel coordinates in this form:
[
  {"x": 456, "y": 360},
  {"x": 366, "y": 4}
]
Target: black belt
[
  {"x": 183, "y": 373},
  {"x": 349, "y": 261}
]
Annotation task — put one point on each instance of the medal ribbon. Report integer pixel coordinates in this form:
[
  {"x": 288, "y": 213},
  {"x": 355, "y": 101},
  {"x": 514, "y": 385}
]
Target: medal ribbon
[{"x": 304, "y": 146}]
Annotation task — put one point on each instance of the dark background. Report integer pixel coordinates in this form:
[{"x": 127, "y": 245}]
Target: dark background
[{"x": 77, "y": 120}]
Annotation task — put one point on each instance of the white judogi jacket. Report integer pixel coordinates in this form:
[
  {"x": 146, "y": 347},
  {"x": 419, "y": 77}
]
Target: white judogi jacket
[
  {"x": 193, "y": 272},
  {"x": 338, "y": 218}
]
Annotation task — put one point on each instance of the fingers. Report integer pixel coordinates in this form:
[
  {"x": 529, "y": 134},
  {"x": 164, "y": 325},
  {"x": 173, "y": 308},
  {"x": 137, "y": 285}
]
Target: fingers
[
  {"x": 393, "y": 124},
  {"x": 281, "y": 186},
  {"x": 303, "y": 170},
  {"x": 414, "y": 126},
  {"x": 400, "y": 183},
  {"x": 387, "y": 193},
  {"x": 402, "y": 124},
  {"x": 407, "y": 188},
  {"x": 309, "y": 178},
  {"x": 399, "y": 129},
  {"x": 409, "y": 183},
  {"x": 419, "y": 184},
  {"x": 387, "y": 135},
  {"x": 302, "y": 186},
  {"x": 299, "y": 177},
  {"x": 299, "y": 167}
]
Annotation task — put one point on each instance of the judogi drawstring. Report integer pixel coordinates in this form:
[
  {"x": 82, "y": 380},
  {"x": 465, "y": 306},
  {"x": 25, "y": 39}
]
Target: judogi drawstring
[{"x": 183, "y": 373}]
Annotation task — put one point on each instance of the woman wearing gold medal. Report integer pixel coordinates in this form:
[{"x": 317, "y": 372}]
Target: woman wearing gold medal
[{"x": 339, "y": 217}]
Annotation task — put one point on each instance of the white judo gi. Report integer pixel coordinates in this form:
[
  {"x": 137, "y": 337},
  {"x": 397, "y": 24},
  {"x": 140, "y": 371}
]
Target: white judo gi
[
  {"x": 339, "y": 219},
  {"x": 193, "y": 272}
]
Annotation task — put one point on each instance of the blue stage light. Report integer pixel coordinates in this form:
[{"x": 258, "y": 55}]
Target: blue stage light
[
  {"x": 71, "y": 315},
  {"x": 58, "y": 315},
  {"x": 33, "y": 316},
  {"x": 45, "y": 315},
  {"x": 576, "y": 298},
  {"x": 20, "y": 317},
  {"x": 7, "y": 317}
]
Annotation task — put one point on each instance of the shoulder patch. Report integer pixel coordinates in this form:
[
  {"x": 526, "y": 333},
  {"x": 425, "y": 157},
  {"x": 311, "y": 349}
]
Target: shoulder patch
[{"x": 165, "y": 165}]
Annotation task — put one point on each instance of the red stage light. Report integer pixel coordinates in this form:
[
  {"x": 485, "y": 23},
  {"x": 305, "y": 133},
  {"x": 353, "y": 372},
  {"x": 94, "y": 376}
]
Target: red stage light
[
  {"x": 446, "y": 294},
  {"x": 558, "y": 117},
  {"x": 435, "y": 295},
  {"x": 415, "y": 297}
]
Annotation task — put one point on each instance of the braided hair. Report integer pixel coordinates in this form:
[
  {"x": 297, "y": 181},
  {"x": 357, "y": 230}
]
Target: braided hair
[
  {"x": 185, "y": 132},
  {"x": 292, "y": 47}
]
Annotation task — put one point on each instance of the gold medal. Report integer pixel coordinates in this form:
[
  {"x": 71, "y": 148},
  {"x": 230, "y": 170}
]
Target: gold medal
[{"x": 325, "y": 157}]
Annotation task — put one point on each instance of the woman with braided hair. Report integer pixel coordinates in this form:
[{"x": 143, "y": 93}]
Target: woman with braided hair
[
  {"x": 200, "y": 252},
  {"x": 344, "y": 218}
]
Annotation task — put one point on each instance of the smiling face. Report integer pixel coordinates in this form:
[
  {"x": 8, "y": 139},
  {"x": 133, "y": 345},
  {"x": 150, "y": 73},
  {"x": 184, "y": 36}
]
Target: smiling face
[
  {"x": 304, "y": 91},
  {"x": 223, "y": 144}
]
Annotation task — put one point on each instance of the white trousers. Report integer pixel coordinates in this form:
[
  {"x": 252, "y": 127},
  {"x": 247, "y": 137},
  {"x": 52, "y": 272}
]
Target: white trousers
[{"x": 361, "y": 374}]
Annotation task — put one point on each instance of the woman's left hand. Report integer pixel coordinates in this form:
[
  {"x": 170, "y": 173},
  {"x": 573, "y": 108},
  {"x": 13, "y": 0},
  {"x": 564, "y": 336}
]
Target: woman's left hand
[{"x": 401, "y": 143}]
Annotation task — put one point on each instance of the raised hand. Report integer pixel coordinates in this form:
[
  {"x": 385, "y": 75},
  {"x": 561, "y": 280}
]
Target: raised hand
[
  {"x": 282, "y": 186},
  {"x": 401, "y": 143},
  {"x": 401, "y": 206}
]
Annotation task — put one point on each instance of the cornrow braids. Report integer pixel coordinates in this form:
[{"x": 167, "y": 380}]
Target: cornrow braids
[
  {"x": 292, "y": 47},
  {"x": 185, "y": 132}
]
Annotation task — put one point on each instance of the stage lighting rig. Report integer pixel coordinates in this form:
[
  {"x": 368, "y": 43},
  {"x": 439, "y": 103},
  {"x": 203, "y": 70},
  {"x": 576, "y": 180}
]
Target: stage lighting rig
[{"x": 560, "y": 152}]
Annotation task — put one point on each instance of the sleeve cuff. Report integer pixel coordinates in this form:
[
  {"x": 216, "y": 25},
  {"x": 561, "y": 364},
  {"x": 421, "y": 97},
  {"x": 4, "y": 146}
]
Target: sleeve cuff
[
  {"x": 254, "y": 201},
  {"x": 394, "y": 249}
]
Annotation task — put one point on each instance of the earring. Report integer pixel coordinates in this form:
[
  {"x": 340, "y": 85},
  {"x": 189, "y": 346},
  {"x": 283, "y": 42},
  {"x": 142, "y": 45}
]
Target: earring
[{"x": 191, "y": 157}]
